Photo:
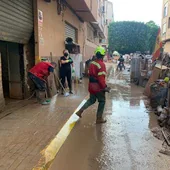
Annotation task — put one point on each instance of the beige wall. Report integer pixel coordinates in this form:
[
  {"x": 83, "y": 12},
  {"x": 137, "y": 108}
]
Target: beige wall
[
  {"x": 167, "y": 47},
  {"x": 90, "y": 45},
  {"x": 89, "y": 50},
  {"x": 53, "y": 29},
  {"x": 165, "y": 20},
  {"x": 92, "y": 5}
]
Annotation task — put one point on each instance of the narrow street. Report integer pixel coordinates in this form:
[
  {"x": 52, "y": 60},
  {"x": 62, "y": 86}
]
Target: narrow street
[
  {"x": 53, "y": 55},
  {"x": 125, "y": 142}
]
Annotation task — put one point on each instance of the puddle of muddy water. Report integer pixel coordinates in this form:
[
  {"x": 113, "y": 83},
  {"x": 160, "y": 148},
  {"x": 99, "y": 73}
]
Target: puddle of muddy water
[
  {"x": 127, "y": 137},
  {"x": 125, "y": 142}
]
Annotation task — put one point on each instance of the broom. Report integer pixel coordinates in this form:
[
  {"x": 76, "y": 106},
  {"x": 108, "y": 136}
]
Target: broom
[{"x": 65, "y": 92}]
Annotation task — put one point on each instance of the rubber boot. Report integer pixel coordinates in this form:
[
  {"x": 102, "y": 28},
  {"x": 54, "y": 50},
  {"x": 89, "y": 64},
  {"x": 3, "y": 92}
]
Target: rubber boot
[
  {"x": 38, "y": 96},
  {"x": 100, "y": 120},
  {"x": 79, "y": 113},
  {"x": 41, "y": 98}
]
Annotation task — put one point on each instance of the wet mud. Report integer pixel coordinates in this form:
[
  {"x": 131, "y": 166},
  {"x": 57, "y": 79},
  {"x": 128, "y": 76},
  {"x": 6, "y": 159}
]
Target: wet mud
[{"x": 125, "y": 142}]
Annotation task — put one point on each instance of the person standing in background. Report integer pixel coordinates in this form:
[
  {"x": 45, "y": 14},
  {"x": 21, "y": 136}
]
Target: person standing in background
[{"x": 65, "y": 70}]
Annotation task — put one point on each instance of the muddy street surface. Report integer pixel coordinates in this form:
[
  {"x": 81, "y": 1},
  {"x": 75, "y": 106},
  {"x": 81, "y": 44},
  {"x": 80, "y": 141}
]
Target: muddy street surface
[
  {"x": 125, "y": 142},
  {"x": 27, "y": 127}
]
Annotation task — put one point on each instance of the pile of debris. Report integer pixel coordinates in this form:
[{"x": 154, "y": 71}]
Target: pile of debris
[
  {"x": 164, "y": 135},
  {"x": 165, "y": 59},
  {"x": 141, "y": 69},
  {"x": 157, "y": 89}
]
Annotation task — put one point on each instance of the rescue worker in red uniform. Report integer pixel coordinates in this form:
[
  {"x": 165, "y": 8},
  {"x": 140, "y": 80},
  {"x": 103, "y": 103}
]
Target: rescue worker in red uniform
[
  {"x": 97, "y": 85},
  {"x": 39, "y": 74}
]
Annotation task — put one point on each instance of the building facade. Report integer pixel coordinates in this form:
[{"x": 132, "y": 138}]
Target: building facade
[
  {"x": 16, "y": 48},
  {"x": 95, "y": 30},
  {"x": 109, "y": 17},
  {"x": 32, "y": 30},
  {"x": 166, "y": 25}
]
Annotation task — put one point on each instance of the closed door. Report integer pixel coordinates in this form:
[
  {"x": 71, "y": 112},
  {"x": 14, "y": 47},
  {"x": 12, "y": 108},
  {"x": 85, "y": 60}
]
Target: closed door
[{"x": 15, "y": 72}]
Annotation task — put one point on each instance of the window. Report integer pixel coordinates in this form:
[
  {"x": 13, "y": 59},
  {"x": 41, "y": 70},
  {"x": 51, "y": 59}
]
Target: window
[
  {"x": 106, "y": 22},
  {"x": 71, "y": 32},
  {"x": 103, "y": 41},
  {"x": 164, "y": 29},
  {"x": 90, "y": 33},
  {"x": 166, "y": 10}
]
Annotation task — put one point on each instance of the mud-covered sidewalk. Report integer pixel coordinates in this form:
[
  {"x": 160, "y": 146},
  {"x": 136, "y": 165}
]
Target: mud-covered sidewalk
[
  {"x": 26, "y": 127},
  {"x": 125, "y": 142}
]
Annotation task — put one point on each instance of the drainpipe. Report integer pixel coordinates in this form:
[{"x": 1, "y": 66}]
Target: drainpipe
[{"x": 36, "y": 37}]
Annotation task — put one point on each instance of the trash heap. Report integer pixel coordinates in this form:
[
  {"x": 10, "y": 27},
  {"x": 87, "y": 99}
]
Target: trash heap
[
  {"x": 141, "y": 69},
  {"x": 159, "y": 101},
  {"x": 158, "y": 90}
]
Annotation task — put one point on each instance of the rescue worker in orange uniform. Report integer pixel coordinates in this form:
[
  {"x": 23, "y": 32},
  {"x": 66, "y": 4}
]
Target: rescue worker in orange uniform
[
  {"x": 97, "y": 85},
  {"x": 39, "y": 74}
]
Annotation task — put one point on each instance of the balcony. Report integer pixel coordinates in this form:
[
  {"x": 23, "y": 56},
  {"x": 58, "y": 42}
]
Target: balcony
[
  {"x": 85, "y": 9},
  {"x": 99, "y": 29}
]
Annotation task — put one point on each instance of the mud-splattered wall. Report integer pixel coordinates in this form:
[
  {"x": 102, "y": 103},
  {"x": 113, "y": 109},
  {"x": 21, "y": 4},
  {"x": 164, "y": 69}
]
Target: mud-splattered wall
[
  {"x": 29, "y": 61},
  {"x": 2, "y": 100}
]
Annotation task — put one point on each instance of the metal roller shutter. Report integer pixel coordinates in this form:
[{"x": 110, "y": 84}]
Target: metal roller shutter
[
  {"x": 16, "y": 20},
  {"x": 70, "y": 32}
]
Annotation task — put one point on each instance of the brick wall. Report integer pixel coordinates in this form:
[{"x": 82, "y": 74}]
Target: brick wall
[{"x": 167, "y": 47}]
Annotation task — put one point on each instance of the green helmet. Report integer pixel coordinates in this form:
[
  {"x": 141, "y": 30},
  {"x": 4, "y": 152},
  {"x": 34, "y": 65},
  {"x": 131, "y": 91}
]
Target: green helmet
[
  {"x": 166, "y": 79},
  {"x": 100, "y": 50}
]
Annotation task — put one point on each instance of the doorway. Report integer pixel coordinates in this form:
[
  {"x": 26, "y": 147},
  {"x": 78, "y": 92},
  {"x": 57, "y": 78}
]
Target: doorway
[{"x": 12, "y": 69}]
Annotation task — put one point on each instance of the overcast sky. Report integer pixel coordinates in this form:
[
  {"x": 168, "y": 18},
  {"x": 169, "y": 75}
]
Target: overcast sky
[{"x": 138, "y": 10}]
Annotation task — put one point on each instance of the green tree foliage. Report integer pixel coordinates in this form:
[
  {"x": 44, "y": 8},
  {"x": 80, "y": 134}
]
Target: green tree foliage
[{"x": 129, "y": 36}]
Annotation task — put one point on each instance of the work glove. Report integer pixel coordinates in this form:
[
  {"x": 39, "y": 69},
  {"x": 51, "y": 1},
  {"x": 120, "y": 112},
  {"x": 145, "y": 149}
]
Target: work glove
[
  {"x": 107, "y": 89},
  {"x": 73, "y": 71}
]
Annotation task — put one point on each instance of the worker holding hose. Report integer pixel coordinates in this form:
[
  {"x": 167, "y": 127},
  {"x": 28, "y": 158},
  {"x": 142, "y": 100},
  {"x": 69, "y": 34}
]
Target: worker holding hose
[
  {"x": 39, "y": 74},
  {"x": 97, "y": 85}
]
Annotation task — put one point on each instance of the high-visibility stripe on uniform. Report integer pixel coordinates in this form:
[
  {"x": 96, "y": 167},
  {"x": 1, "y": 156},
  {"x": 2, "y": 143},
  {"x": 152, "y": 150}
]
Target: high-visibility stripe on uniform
[
  {"x": 96, "y": 64},
  {"x": 101, "y": 73}
]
